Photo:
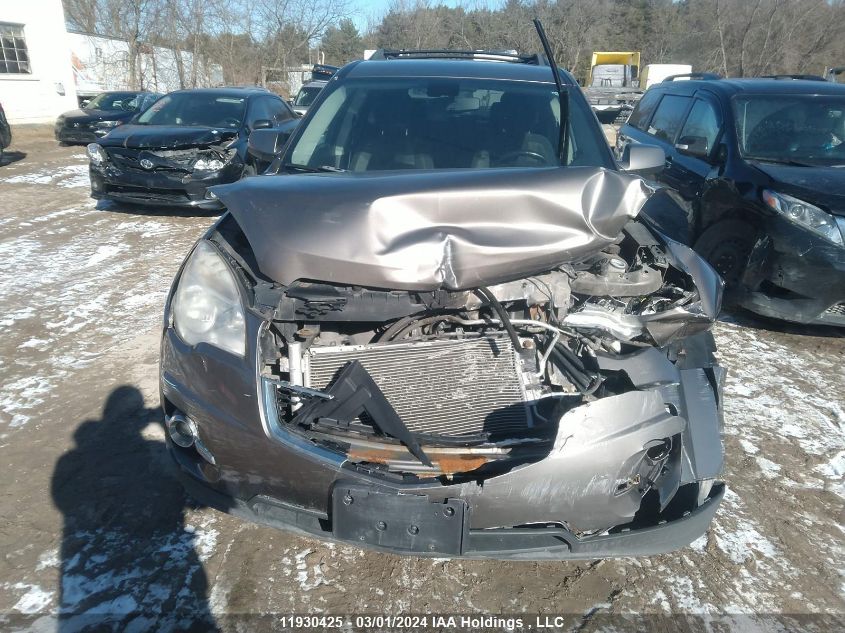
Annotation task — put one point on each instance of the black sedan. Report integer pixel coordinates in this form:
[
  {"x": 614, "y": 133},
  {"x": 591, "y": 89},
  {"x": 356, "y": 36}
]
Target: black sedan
[
  {"x": 100, "y": 115},
  {"x": 183, "y": 144}
]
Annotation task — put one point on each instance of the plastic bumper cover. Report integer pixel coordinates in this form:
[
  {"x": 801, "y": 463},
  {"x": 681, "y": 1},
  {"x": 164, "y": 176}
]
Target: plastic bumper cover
[
  {"x": 269, "y": 474},
  {"x": 796, "y": 276},
  {"x": 159, "y": 187},
  {"x": 550, "y": 543}
]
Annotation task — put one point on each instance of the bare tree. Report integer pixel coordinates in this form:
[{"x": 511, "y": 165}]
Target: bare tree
[
  {"x": 733, "y": 37},
  {"x": 289, "y": 27}
]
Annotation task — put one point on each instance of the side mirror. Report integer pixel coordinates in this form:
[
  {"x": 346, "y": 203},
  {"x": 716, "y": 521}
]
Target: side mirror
[
  {"x": 644, "y": 160},
  {"x": 262, "y": 124},
  {"x": 693, "y": 146},
  {"x": 266, "y": 145}
]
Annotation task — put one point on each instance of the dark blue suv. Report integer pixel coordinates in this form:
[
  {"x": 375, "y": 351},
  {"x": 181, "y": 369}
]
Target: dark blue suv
[{"x": 758, "y": 167}]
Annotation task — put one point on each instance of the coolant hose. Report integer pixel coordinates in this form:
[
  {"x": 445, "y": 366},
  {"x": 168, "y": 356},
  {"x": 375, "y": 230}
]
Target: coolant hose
[{"x": 503, "y": 315}]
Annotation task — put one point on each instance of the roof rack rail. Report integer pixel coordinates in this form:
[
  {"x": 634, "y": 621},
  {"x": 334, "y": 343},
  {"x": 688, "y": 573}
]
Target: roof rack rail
[
  {"x": 442, "y": 53},
  {"x": 705, "y": 76},
  {"x": 243, "y": 86},
  {"x": 796, "y": 77}
]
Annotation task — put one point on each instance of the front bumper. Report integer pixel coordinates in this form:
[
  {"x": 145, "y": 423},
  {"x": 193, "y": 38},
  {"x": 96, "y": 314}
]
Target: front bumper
[
  {"x": 795, "y": 276},
  {"x": 268, "y": 474},
  {"x": 82, "y": 135},
  {"x": 550, "y": 543},
  {"x": 161, "y": 187}
]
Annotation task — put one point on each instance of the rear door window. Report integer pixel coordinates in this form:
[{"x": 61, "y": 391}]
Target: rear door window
[
  {"x": 668, "y": 118},
  {"x": 645, "y": 108}
]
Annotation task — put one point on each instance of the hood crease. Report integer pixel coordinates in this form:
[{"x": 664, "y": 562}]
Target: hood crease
[{"x": 454, "y": 229}]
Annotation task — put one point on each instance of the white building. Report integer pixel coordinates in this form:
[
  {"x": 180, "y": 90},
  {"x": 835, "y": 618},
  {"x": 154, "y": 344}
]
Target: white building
[
  {"x": 36, "y": 80},
  {"x": 102, "y": 63}
]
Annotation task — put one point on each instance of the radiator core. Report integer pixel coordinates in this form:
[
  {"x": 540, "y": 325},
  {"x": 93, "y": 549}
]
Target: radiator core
[{"x": 451, "y": 387}]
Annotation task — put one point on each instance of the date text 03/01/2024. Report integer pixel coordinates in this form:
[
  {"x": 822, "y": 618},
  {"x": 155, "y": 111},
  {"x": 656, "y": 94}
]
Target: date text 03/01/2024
[{"x": 413, "y": 622}]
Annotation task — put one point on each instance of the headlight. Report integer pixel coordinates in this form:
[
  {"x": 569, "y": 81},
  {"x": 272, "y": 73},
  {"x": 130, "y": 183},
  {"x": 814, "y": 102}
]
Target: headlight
[
  {"x": 212, "y": 162},
  {"x": 207, "y": 305},
  {"x": 804, "y": 214},
  {"x": 97, "y": 154},
  {"x": 107, "y": 124}
]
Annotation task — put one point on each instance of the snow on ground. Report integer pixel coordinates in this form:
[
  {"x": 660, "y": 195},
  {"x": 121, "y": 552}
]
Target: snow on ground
[
  {"x": 68, "y": 176},
  {"x": 70, "y": 279},
  {"x": 78, "y": 282},
  {"x": 145, "y": 580}
]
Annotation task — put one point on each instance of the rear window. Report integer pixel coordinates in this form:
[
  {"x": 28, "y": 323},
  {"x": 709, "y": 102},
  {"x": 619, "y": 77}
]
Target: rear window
[
  {"x": 668, "y": 118},
  {"x": 642, "y": 113}
]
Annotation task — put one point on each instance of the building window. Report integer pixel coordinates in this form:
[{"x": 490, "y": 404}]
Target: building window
[{"x": 14, "y": 58}]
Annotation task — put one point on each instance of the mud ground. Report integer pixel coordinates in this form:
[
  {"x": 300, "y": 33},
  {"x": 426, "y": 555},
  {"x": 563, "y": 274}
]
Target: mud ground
[{"x": 94, "y": 525}]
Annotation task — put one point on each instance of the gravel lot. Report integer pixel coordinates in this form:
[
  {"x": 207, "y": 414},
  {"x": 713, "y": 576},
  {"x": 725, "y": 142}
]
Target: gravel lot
[{"x": 94, "y": 524}]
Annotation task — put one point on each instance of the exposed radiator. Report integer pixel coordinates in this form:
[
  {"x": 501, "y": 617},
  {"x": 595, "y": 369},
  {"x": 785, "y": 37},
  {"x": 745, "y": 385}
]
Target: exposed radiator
[{"x": 453, "y": 387}]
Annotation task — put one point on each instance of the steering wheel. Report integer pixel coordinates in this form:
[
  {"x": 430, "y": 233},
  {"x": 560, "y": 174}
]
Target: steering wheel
[{"x": 520, "y": 153}]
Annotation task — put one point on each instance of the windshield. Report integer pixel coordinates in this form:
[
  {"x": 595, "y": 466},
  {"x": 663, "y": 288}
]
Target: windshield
[
  {"x": 196, "y": 109},
  {"x": 803, "y": 129},
  {"x": 306, "y": 95},
  {"x": 115, "y": 101},
  {"x": 442, "y": 123}
]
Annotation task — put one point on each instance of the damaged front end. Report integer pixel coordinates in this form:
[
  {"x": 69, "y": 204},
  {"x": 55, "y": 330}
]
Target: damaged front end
[
  {"x": 162, "y": 173},
  {"x": 569, "y": 410}
]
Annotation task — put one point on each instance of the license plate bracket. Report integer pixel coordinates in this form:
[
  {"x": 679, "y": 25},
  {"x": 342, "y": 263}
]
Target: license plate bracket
[{"x": 404, "y": 523}]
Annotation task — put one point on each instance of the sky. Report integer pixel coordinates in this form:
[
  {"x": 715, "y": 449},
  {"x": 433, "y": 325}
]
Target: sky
[{"x": 366, "y": 9}]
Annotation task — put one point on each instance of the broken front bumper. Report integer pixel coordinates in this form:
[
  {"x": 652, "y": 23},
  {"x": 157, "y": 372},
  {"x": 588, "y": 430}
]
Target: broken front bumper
[
  {"x": 75, "y": 135},
  {"x": 254, "y": 466},
  {"x": 161, "y": 187},
  {"x": 795, "y": 276}
]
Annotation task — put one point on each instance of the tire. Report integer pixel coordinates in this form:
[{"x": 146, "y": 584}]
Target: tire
[
  {"x": 249, "y": 170},
  {"x": 727, "y": 246}
]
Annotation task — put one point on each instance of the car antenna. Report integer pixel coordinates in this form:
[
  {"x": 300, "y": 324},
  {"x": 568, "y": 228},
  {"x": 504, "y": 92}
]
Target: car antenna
[{"x": 563, "y": 94}]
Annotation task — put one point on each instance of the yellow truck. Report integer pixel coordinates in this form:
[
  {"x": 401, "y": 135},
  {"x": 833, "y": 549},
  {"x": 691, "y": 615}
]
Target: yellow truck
[
  {"x": 616, "y": 81},
  {"x": 612, "y": 83},
  {"x": 614, "y": 70}
]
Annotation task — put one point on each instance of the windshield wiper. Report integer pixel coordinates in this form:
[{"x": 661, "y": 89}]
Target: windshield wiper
[{"x": 308, "y": 169}]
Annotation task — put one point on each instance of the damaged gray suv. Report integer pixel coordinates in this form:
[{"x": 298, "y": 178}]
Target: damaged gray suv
[{"x": 439, "y": 326}]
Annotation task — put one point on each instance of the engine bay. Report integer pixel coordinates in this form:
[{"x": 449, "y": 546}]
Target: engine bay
[{"x": 467, "y": 383}]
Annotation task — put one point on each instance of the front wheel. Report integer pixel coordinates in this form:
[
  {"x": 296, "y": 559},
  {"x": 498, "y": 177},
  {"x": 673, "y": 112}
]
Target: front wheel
[{"x": 727, "y": 246}]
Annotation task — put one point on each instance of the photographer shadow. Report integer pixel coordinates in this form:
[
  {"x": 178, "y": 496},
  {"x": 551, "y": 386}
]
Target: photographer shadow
[{"x": 129, "y": 560}]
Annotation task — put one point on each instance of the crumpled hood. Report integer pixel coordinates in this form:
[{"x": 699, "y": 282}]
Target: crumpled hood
[
  {"x": 454, "y": 229},
  {"x": 823, "y": 186},
  {"x": 164, "y": 136}
]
